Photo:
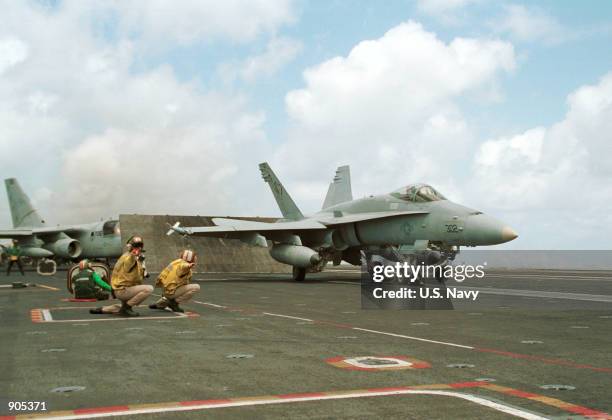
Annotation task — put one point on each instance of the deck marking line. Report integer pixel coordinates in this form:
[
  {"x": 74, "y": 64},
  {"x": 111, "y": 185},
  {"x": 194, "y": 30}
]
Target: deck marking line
[
  {"x": 288, "y": 316},
  {"x": 209, "y": 304},
  {"x": 186, "y": 406},
  {"x": 484, "y": 350},
  {"x": 560, "y": 362},
  {"x": 55, "y": 289},
  {"x": 46, "y": 315},
  {"x": 414, "y": 338}
]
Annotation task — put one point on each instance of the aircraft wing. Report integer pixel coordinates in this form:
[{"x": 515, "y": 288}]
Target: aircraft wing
[
  {"x": 225, "y": 227},
  {"x": 333, "y": 220},
  {"x": 253, "y": 231},
  {"x": 39, "y": 231},
  {"x": 15, "y": 233}
]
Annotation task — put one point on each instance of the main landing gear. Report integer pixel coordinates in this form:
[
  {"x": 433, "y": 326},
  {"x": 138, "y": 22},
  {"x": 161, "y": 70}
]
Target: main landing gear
[{"x": 299, "y": 274}]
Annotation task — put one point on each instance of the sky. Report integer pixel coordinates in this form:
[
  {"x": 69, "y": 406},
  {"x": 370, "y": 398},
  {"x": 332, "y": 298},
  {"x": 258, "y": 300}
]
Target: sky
[{"x": 158, "y": 107}]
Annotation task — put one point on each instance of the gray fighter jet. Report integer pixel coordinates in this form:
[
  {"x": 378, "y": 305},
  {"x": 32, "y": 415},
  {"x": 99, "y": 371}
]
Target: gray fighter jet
[
  {"x": 415, "y": 218},
  {"x": 61, "y": 243}
]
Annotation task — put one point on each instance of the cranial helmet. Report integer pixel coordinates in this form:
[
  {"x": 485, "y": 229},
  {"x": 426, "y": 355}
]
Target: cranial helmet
[
  {"x": 84, "y": 264},
  {"x": 135, "y": 242},
  {"x": 188, "y": 256}
]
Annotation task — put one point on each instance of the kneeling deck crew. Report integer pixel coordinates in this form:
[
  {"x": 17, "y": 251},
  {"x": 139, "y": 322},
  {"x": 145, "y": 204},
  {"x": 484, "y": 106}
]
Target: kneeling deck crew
[
  {"x": 175, "y": 279},
  {"x": 88, "y": 284},
  {"x": 126, "y": 281}
]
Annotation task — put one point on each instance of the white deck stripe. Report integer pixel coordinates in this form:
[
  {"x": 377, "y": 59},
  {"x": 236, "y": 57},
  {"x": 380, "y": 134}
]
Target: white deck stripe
[
  {"x": 409, "y": 337},
  {"x": 137, "y": 318},
  {"x": 47, "y": 315},
  {"x": 548, "y": 276},
  {"x": 209, "y": 304},
  {"x": 468, "y": 397},
  {"x": 540, "y": 294},
  {"x": 288, "y": 316}
]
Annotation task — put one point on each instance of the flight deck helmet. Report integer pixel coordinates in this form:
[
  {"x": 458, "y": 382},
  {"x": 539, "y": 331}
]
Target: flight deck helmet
[{"x": 189, "y": 256}]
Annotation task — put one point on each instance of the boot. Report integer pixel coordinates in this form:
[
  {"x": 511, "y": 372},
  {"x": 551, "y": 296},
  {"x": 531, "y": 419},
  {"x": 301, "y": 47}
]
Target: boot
[
  {"x": 96, "y": 311},
  {"x": 173, "y": 304},
  {"x": 126, "y": 310},
  {"x": 160, "y": 304}
]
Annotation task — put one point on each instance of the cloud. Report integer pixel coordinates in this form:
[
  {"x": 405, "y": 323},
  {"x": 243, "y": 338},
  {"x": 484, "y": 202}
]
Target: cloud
[
  {"x": 12, "y": 51},
  {"x": 530, "y": 24},
  {"x": 159, "y": 21},
  {"x": 278, "y": 53},
  {"x": 564, "y": 166},
  {"x": 77, "y": 119},
  {"x": 447, "y": 11},
  {"x": 389, "y": 109},
  {"x": 437, "y": 7}
]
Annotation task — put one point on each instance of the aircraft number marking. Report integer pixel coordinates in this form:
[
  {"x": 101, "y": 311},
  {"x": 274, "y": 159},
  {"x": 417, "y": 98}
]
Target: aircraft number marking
[{"x": 452, "y": 228}]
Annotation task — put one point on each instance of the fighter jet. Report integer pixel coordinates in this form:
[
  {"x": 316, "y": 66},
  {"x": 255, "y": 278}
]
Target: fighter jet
[
  {"x": 60, "y": 243},
  {"x": 415, "y": 218}
]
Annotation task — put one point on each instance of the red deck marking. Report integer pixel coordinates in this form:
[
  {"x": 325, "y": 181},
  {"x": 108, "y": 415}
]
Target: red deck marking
[
  {"x": 100, "y": 410},
  {"x": 521, "y": 394},
  {"x": 341, "y": 362},
  {"x": 36, "y": 315},
  {"x": 205, "y": 402},
  {"x": 560, "y": 362},
  {"x": 310, "y": 396}
]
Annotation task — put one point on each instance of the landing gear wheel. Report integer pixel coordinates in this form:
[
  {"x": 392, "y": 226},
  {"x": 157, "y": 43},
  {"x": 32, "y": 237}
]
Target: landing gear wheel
[{"x": 299, "y": 274}]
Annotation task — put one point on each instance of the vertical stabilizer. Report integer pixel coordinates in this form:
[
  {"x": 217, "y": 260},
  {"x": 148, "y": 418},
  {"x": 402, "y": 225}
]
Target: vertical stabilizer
[
  {"x": 340, "y": 188},
  {"x": 283, "y": 199},
  {"x": 22, "y": 212}
]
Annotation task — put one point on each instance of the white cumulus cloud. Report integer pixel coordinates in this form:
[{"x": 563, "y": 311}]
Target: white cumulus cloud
[
  {"x": 389, "y": 109},
  {"x": 524, "y": 23},
  {"x": 78, "y": 120},
  {"x": 565, "y": 166},
  {"x": 159, "y": 21}
]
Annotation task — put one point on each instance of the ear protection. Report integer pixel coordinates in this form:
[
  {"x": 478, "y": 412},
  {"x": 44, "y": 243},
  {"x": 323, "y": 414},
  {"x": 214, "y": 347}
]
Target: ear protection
[{"x": 188, "y": 256}]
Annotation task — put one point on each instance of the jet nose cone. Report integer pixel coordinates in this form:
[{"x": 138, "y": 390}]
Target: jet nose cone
[
  {"x": 481, "y": 229},
  {"x": 508, "y": 234}
]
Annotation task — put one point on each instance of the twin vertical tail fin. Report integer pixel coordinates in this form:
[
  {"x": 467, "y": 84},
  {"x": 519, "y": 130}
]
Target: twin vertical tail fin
[
  {"x": 340, "y": 188},
  {"x": 22, "y": 211},
  {"x": 283, "y": 199}
]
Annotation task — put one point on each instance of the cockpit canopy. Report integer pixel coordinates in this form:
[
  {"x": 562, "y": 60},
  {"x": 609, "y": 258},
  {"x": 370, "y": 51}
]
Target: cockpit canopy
[
  {"x": 111, "y": 228},
  {"x": 418, "y": 193}
]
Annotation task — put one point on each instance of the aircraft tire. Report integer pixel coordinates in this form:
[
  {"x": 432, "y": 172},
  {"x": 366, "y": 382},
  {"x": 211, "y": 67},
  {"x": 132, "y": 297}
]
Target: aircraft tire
[{"x": 299, "y": 274}]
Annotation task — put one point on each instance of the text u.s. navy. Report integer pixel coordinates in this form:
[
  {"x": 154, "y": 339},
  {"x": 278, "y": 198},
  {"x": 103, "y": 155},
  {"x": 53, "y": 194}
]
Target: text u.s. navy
[{"x": 425, "y": 293}]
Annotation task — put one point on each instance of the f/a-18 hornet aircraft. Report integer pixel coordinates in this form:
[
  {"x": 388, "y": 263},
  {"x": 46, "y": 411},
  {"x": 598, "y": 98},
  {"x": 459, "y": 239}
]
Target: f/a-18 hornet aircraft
[
  {"x": 61, "y": 243},
  {"x": 416, "y": 218}
]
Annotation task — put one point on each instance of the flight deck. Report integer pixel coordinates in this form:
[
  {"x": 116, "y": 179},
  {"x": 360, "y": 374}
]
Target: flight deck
[{"x": 263, "y": 345}]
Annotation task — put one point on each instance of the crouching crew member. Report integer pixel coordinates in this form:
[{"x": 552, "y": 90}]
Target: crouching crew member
[
  {"x": 175, "y": 279},
  {"x": 88, "y": 284},
  {"x": 126, "y": 281}
]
